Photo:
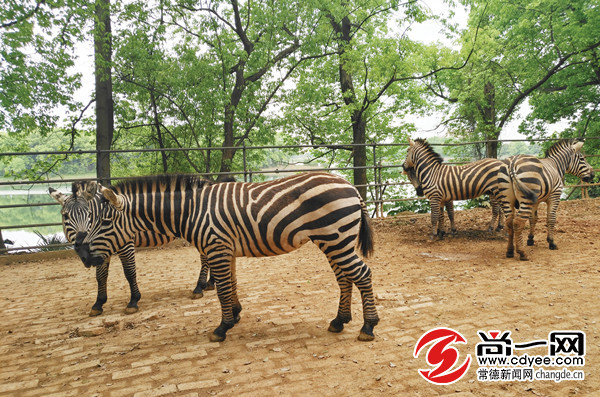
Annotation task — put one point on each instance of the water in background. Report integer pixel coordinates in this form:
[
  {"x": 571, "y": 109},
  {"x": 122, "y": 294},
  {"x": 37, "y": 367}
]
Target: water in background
[{"x": 26, "y": 237}]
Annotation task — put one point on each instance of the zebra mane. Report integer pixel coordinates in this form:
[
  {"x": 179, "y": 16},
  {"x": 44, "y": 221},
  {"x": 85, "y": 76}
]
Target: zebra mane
[
  {"x": 561, "y": 145},
  {"x": 429, "y": 150},
  {"x": 144, "y": 183}
]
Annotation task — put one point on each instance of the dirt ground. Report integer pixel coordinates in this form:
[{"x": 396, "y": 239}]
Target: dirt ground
[{"x": 49, "y": 346}]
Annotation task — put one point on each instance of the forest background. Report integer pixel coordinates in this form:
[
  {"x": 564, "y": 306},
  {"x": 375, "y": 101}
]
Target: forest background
[{"x": 335, "y": 75}]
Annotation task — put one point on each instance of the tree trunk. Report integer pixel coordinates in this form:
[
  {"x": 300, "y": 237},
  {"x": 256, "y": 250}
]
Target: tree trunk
[
  {"x": 228, "y": 150},
  {"x": 489, "y": 121},
  {"x": 359, "y": 132},
  {"x": 359, "y": 124},
  {"x": 104, "y": 100},
  {"x": 159, "y": 137}
]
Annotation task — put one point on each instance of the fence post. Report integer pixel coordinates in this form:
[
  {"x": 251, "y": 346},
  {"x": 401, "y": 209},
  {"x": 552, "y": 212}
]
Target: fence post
[
  {"x": 244, "y": 158},
  {"x": 375, "y": 186}
]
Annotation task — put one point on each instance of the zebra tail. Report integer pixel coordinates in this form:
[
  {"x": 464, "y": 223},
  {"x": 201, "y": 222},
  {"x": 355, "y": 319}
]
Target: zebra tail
[
  {"x": 519, "y": 185},
  {"x": 365, "y": 234}
]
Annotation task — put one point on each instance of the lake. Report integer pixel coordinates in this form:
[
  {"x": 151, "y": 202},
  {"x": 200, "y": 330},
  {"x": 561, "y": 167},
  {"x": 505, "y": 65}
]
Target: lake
[{"x": 10, "y": 217}]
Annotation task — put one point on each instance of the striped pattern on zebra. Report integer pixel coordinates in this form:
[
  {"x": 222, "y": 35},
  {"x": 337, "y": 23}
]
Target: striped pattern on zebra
[
  {"x": 526, "y": 181},
  {"x": 231, "y": 219},
  {"x": 76, "y": 213},
  {"x": 442, "y": 183}
]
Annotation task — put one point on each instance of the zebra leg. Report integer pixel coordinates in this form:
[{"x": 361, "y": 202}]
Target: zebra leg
[
  {"x": 518, "y": 226},
  {"x": 510, "y": 249},
  {"x": 497, "y": 215},
  {"x": 236, "y": 307},
  {"x": 101, "y": 277},
  {"x": 435, "y": 217},
  {"x": 356, "y": 271},
  {"x": 551, "y": 220},
  {"x": 344, "y": 314},
  {"x": 532, "y": 223},
  {"x": 202, "y": 285},
  {"x": 450, "y": 210},
  {"x": 220, "y": 263},
  {"x": 127, "y": 256}
]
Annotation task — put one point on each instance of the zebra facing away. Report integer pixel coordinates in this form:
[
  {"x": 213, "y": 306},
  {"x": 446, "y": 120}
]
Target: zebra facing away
[
  {"x": 233, "y": 219},
  {"x": 526, "y": 181},
  {"x": 76, "y": 213},
  {"x": 442, "y": 183}
]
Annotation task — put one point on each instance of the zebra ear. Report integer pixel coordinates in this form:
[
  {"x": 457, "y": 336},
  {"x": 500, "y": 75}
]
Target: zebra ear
[
  {"x": 577, "y": 146},
  {"x": 116, "y": 200},
  {"x": 89, "y": 190},
  {"x": 411, "y": 142},
  {"x": 58, "y": 196}
]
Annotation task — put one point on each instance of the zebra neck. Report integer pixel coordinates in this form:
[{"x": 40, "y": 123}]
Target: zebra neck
[
  {"x": 426, "y": 171},
  {"x": 558, "y": 163}
]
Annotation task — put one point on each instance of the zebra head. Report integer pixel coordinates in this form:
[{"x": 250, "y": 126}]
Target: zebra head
[
  {"x": 107, "y": 232},
  {"x": 420, "y": 155},
  {"x": 568, "y": 152},
  {"x": 412, "y": 177},
  {"x": 75, "y": 210}
]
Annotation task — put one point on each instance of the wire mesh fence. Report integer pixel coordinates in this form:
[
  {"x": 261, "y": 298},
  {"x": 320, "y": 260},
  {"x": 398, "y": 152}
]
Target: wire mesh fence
[{"x": 25, "y": 204}]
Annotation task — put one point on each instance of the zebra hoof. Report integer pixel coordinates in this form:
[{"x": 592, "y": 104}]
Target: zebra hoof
[
  {"x": 95, "y": 312},
  {"x": 216, "y": 338},
  {"x": 523, "y": 257},
  {"x": 197, "y": 295},
  {"x": 366, "y": 333},
  {"x": 209, "y": 287},
  {"x": 131, "y": 310},
  {"x": 337, "y": 324},
  {"x": 510, "y": 254},
  {"x": 530, "y": 241},
  {"x": 553, "y": 246}
]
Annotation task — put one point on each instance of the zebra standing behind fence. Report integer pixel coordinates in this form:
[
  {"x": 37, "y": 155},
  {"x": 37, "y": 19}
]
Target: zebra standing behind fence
[
  {"x": 442, "y": 183},
  {"x": 77, "y": 213},
  {"x": 525, "y": 181},
  {"x": 228, "y": 220}
]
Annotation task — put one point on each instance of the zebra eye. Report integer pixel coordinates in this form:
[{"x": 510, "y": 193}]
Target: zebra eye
[{"x": 66, "y": 217}]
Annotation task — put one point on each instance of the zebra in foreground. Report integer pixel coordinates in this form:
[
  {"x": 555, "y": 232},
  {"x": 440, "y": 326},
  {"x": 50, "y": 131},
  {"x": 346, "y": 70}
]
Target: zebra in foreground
[
  {"x": 232, "y": 219},
  {"x": 442, "y": 183},
  {"x": 76, "y": 214},
  {"x": 526, "y": 181}
]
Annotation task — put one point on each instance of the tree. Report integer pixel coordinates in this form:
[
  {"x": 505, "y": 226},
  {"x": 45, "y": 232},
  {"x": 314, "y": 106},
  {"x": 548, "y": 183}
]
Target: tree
[
  {"x": 104, "y": 93},
  {"x": 523, "y": 47},
  {"x": 36, "y": 47},
  {"x": 360, "y": 93}
]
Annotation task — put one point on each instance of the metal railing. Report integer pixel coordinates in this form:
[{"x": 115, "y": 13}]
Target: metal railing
[{"x": 381, "y": 189}]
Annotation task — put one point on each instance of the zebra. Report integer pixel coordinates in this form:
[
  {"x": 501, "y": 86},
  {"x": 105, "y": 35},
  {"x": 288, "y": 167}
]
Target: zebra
[
  {"x": 412, "y": 177},
  {"x": 233, "y": 219},
  {"x": 526, "y": 181},
  {"x": 76, "y": 213},
  {"x": 442, "y": 183}
]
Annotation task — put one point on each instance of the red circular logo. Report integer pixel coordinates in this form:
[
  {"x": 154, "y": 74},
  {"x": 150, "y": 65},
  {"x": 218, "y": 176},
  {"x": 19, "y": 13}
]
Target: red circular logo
[{"x": 442, "y": 356}]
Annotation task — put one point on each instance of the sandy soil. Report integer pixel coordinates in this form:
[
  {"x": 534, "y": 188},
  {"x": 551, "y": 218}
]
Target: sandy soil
[{"x": 49, "y": 345}]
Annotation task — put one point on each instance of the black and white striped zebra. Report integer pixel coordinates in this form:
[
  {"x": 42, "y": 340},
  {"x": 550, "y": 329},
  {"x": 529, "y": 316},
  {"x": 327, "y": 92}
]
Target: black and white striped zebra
[
  {"x": 442, "y": 183},
  {"x": 526, "y": 181},
  {"x": 77, "y": 213},
  {"x": 228, "y": 220}
]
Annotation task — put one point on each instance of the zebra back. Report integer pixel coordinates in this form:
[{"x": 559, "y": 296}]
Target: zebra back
[{"x": 448, "y": 182}]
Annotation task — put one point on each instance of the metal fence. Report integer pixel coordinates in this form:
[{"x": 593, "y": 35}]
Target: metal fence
[{"x": 385, "y": 178}]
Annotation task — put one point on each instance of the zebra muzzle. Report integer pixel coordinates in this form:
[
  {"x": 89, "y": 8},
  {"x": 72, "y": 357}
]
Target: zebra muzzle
[{"x": 83, "y": 250}]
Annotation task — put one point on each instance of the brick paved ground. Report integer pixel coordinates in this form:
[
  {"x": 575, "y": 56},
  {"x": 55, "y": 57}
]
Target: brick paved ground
[{"x": 50, "y": 347}]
